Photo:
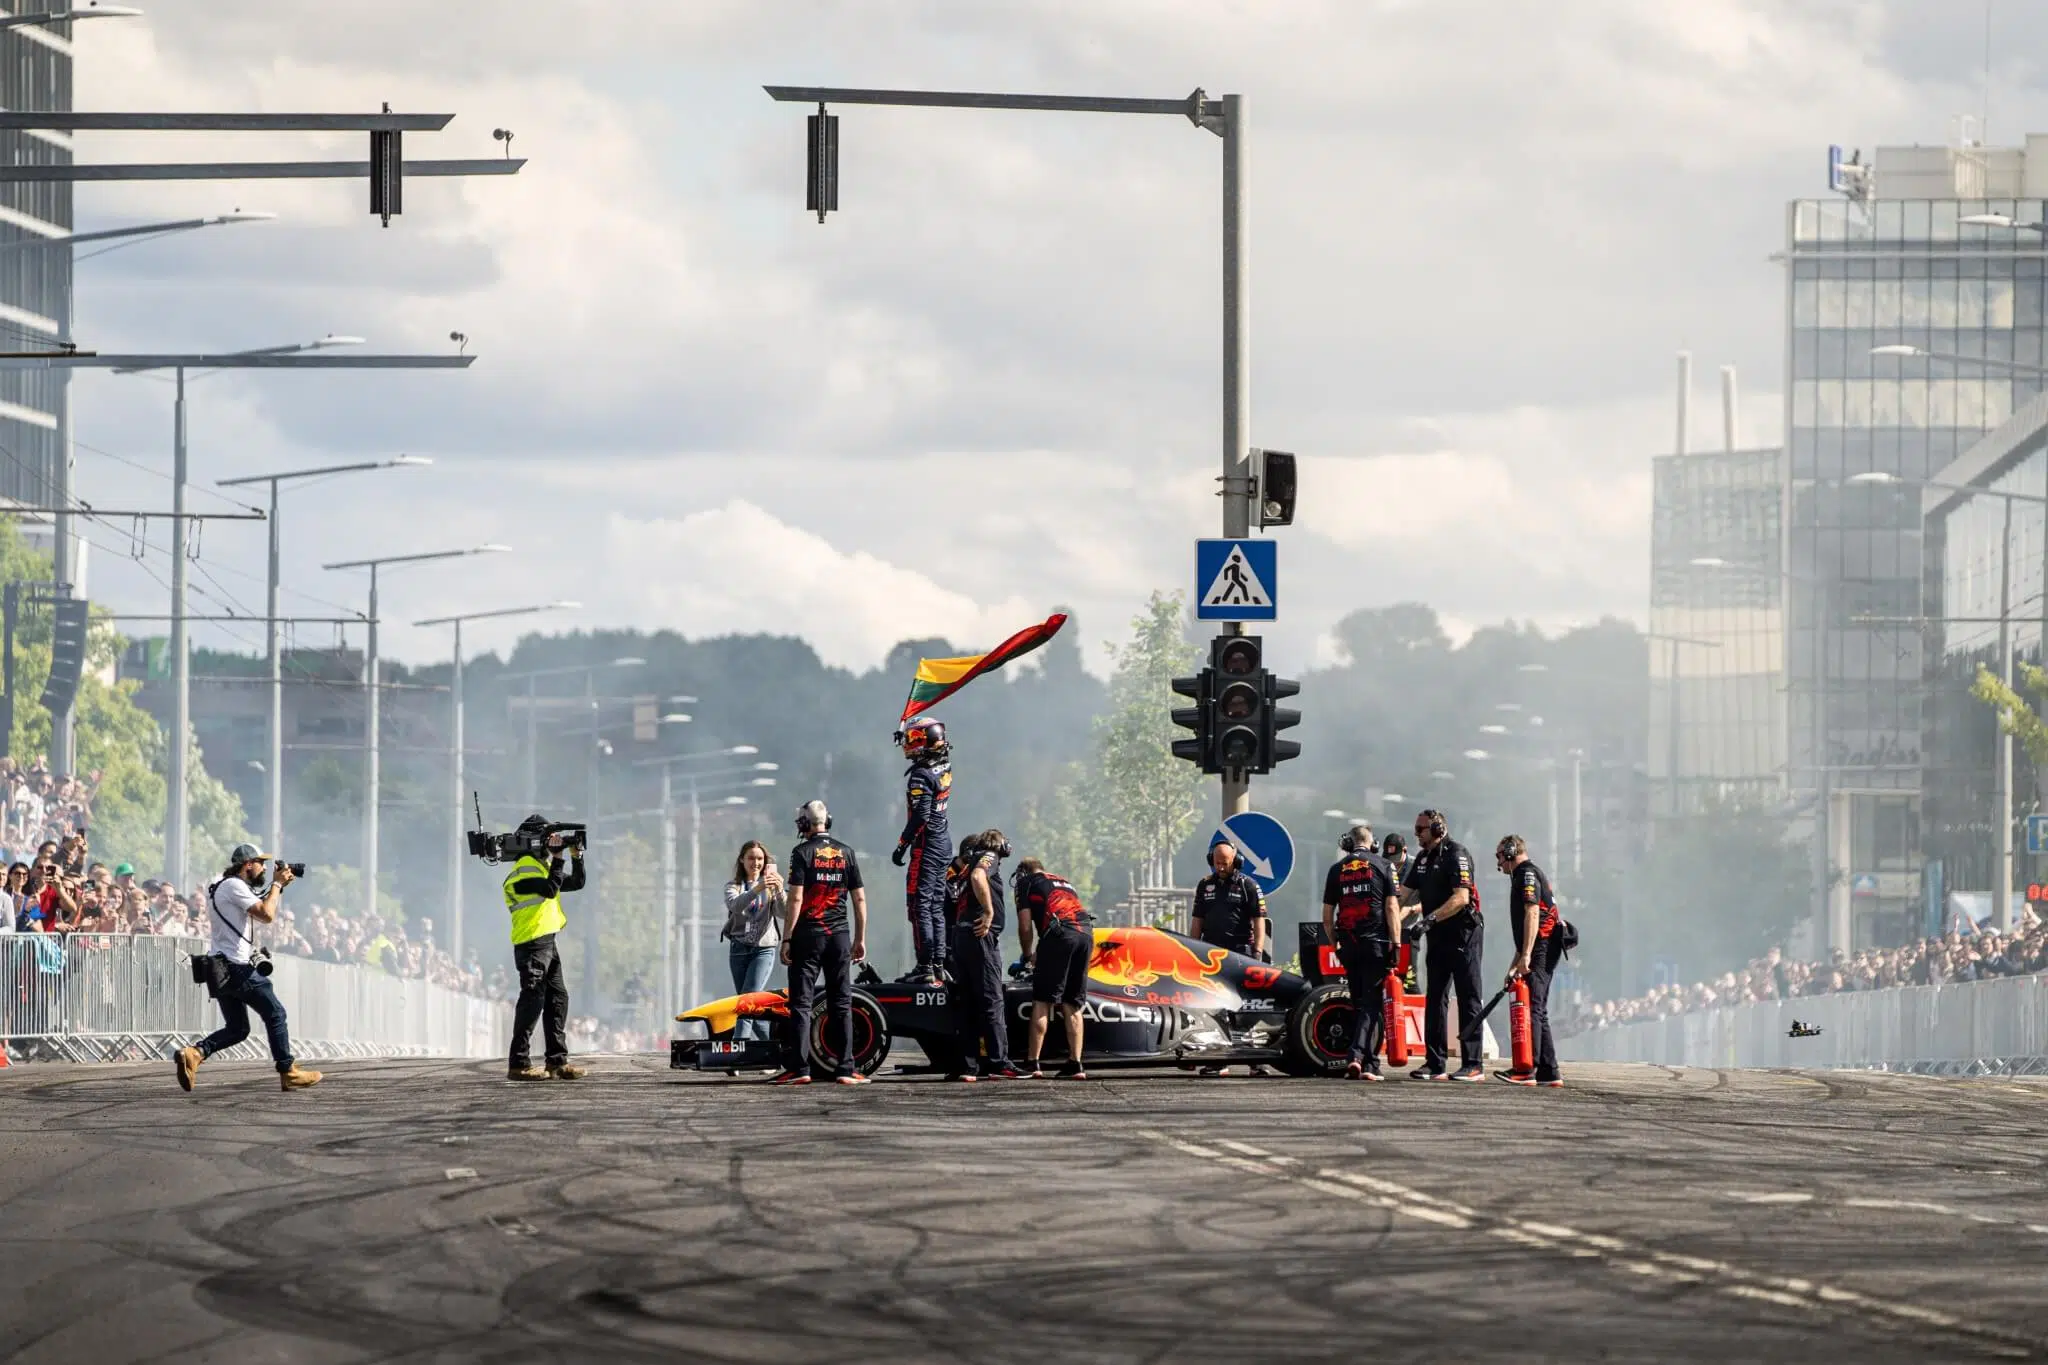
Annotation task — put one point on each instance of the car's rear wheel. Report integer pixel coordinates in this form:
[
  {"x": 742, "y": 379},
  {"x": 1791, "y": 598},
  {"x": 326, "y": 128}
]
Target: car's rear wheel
[
  {"x": 871, "y": 1038},
  {"x": 1318, "y": 1037}
]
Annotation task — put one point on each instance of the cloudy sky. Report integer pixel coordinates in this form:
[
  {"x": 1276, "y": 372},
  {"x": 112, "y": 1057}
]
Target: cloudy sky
[{"x": 990, "y": 385}]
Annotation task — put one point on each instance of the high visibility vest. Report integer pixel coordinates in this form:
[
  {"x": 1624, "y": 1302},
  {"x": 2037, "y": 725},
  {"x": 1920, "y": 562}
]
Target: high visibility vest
[{"x": 532, "y": 916}]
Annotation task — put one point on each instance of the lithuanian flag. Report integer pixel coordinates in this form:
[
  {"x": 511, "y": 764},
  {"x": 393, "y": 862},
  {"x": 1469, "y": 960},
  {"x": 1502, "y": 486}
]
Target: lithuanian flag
[{"x": 938, "y": 679}]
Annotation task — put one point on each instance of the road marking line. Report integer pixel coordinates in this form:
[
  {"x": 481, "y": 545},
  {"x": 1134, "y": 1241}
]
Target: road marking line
[
  {"x": 1768, "y": 1196},
  {"x": 1617, "y": 1254},
  {"x": 461, "y": 1173}
]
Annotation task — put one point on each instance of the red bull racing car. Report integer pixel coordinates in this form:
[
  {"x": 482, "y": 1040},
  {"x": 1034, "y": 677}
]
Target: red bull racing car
[{"x": 1154, "y": 998}]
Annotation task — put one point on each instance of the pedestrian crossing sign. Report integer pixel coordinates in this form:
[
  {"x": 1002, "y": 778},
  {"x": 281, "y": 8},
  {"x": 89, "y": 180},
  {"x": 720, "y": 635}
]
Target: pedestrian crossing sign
[{"x": 1237, "y": 580}]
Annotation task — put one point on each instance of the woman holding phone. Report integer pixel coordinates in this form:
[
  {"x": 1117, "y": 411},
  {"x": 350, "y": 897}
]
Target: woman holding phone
[{"x": 753, "y": 926}]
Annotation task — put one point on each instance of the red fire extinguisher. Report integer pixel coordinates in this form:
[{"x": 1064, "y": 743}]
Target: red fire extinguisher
[
  {"x": 1396, "y": 1026},
  {"x": 1519, "y": 1040}
]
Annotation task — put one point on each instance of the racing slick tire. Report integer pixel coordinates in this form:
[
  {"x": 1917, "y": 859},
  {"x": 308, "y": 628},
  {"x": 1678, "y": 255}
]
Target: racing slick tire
[
  {"x": 871, "y": 1038},
  {"x": 1317, "y": 1039}
]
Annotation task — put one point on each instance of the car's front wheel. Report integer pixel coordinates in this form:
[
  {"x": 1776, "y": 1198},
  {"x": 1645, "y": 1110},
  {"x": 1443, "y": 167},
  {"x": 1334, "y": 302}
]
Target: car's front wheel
[
  {"x": 1318, "y": 1036},
  {"x": 870, "y": 1038}
]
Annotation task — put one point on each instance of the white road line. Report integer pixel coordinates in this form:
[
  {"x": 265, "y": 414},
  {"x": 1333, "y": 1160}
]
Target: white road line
[
  {"x": 1614, "y": 1252},
  {"x": 1768, "y": 1196}
]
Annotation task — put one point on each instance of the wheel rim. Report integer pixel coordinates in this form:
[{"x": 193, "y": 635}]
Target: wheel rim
[
  {"x": 1329, "y": 1031},
  {"x": 863, "y": 1038}
]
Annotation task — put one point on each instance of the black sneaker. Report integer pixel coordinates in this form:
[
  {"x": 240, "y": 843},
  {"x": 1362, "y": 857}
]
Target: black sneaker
[
  {"x": 793, "y": 1076},
  {"x": 1005, "y": 1072},
  {"x": 1424, "y": 1073},
  {"x": 1032, "y": 1072},
  {"x": 1072, "y": 1071},
  {"x": 1469, "y": 1073},
  {"x": 962, "y": 1077}
]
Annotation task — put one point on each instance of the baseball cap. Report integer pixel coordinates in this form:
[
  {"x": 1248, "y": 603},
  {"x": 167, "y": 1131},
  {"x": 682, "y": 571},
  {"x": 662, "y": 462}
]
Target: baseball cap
[
  {"x": 124, "y": 869},
  {"x": 244, "y": 853}
]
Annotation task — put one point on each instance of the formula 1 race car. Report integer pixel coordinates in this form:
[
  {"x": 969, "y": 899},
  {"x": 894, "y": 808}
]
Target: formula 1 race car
[{"x": 1154, "y": 998}]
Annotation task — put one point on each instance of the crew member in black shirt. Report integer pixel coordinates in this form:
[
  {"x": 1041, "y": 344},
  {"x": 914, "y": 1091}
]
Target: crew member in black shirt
[
  {"x": 1532, "y": 912},
  {"x": 1229, "y": 911},
  {"x": 1059, "y": 960},
  {"x": 1358, "y": 918},
  {"x": 1441, "y": 884},
  {"x": 823, "y": 881},
  {"x": 975, "y": 887}
]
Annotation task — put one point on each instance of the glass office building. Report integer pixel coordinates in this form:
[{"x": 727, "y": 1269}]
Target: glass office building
[
  {"x": 1894, "y": 271},
  {"x": 35, "y": 281},
  {"x": 1717, "y": 630}
]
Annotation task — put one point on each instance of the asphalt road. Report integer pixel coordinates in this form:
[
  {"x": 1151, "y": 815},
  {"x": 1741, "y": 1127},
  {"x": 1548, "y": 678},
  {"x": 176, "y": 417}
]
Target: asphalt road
[{"x": 427, "y": 1211}]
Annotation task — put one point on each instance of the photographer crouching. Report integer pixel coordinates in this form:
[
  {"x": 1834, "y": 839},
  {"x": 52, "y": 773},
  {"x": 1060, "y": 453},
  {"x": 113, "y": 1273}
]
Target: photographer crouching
[
  {"x": 241, "y": 972},
  {"x": 533, "y": 893}
]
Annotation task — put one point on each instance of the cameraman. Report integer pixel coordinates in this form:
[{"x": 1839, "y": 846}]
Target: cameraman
[
  {"x": 240, "y": 987},
  {"x": 533, "y": 893}
]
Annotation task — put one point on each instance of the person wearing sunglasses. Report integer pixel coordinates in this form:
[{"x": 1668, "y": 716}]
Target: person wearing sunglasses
[{"x": 1440, "y": 883}]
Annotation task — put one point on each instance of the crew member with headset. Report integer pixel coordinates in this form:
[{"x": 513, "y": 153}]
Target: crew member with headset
[
  {"x": 1441, "y": 884},
  {"x": 1360, "y": 918},
  {"x": 239, "y": 985},
  {"x": 1532, "y": 912},
  {"x": 824, "y": 883},
  {"x": 1229, "y": 911},
  {"x": 975, "y": 884},
  {"x": 533, "y": 896},
  {"x": 1394, "y": 849},
  {"x": 1058, "y": 959},
  {"x": 926, "y": 844}
]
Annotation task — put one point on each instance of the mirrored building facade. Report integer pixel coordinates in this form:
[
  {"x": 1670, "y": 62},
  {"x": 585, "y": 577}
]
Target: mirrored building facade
[{"x": 35, "y": 280}]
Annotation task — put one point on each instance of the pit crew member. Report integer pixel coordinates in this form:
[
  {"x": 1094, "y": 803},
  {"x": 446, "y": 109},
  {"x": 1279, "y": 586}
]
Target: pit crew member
[
  {"x": 1441, "y": 884},
  {"x": 1532, "y": 912},
  {"x": 1065, "y": 941},
  {"x": 1360, "y": 919},
  {"x": 824, "y": 881}
]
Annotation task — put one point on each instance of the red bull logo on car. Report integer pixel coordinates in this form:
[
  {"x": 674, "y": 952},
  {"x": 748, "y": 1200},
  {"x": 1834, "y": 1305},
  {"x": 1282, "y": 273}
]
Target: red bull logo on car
[{"x": 1159, "y": 968}]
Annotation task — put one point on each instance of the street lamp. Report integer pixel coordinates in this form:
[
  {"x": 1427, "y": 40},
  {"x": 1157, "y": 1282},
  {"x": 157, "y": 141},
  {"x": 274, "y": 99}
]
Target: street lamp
[
  {"x": 372, "y": 707},
  {"x": 530, "y": 676},
  {"x": 2001, "y": 220},
  {"x": 1904, "y": 351},
  {"x": 455, "y": 849},
  {"x": 692, "y": 965},
  {"x": 273, "y": 795},
  {"x": 92, "y": 9}
]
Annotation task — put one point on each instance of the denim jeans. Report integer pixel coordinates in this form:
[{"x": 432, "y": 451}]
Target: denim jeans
[
  {"x": 751, "y": 968},
  {"x": 246, "y": 991}
]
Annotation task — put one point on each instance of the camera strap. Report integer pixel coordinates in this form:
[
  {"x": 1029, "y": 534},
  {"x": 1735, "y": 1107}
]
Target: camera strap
[{"x": 214, "y": 905}]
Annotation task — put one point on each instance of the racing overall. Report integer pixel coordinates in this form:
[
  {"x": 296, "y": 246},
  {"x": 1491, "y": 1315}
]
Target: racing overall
[
  {"x": 1530, "y": 887},
  {"x": 977, "y": 963},
  {"x": 1456, "y": 946},
  {"x": 1358, "y": 885},
  {"x": 929, "y": 844}
]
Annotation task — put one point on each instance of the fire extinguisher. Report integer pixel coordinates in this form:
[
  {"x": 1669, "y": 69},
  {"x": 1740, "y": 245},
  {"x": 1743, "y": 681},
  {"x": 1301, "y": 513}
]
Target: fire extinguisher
[
  {"x": 1396, "y": 1027},
  {"x": 1519, "y": 1040}
]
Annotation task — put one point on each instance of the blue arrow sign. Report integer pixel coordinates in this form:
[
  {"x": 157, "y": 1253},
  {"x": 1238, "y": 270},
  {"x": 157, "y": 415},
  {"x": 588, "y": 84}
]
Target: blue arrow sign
[
  {"x": 2037, "y": 834},
  {"x": 1265, "y": 850},
  {"x": 1237, "y": 580}
]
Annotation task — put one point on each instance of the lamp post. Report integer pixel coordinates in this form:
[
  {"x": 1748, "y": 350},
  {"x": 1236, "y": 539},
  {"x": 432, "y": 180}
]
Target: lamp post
[
  {"x": 1906, "y": 352},
  {"x": 457, "y": 801},
  {"x": 529, "y": 677},
  {"x": 64, "y": 570},
  {"x": 692, "y": 964},
  {"x": 293, "y": 357},
  {"x": 2001, "y": 890},
  {"x": 372, "y": 707},
  {"x": 273, "y": 782}
]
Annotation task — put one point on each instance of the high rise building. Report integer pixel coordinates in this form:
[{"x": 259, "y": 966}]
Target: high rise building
[
  {"x": 35, "y": 282},
  {"x": 1895, "y": 264}
]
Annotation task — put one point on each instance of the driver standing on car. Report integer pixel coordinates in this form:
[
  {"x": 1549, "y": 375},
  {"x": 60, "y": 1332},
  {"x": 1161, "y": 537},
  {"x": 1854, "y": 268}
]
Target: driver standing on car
[
  {"x": 1359, "y": 918},
  {"x": 1441, "y": 883}
]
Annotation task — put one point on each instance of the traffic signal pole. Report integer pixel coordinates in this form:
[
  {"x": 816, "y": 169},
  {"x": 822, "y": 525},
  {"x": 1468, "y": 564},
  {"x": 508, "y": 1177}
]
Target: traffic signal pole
[{"x": 1237, "y": 385}]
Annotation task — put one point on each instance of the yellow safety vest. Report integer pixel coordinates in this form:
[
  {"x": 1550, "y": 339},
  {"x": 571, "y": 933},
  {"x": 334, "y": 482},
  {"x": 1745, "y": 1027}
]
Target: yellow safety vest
[{"x": 532, "y": 916}]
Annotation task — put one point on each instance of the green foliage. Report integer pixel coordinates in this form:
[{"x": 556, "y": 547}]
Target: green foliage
[
  {"x": 2016, "y": 716},
  {"x": 628, "y": 907},
  {"x": 1056, "y": 830},
  {"x": 339, "y": 887},
  {"x": 1721, "y": 889},
  {"x": 1149, "y": 795}
]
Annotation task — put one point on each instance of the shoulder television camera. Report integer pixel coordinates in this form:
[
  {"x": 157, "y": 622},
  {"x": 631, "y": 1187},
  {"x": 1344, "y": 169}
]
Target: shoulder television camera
[{"x": 533, "y": 837}]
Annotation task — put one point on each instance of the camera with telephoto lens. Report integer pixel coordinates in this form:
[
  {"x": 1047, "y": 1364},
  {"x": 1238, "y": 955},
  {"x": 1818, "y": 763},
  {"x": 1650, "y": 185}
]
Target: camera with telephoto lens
[
  {"x": 536, "y": 837},
  {"x": 260, "y": 959},
  {"x": 296, "y": 869}
]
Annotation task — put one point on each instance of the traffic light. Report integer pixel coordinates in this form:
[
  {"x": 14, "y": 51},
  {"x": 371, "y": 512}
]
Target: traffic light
[
  {"x": 1279, "y": 718},
  {"x": 1196, "y": 718},
  {"x": 1240, "y": 701},
  {"x": 71, "y": 618}
]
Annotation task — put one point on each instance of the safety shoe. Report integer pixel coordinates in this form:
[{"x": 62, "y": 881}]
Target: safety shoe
[
  {"x": 962, "y": 1077},
  {"x": 188, "y": 1060},
  {"x": 855, "y": 1079},
  {"x": 1372, "y": 1075},
  {"x": 1212, "y": 1071},
  {"x": 792, "y": 1077},
  {"x": 1032, "y": 1072},
  {"x": 1554, "y": 1083},
  {"x": 1073, "y": 1071},
  {"x": 568, "y": 1072},
  {"x": 526, "y": 1073},
  {"x": 1005, "y": 1072},
  {"x": 1469, "y": 1073},
  {"x": 1516, "y": 1077},
  {"x": 1261, "y": 1069},
  {"x": 1423, "y": 1073},
  {"x": 298, "y": 1078}
]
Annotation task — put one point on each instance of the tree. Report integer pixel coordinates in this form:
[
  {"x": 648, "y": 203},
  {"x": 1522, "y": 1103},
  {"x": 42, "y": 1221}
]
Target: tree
[
  {"x": 628, "y": 928},
  {"x": 1149, "y": 795},
  {"x": 1704, "y": 919},
  {"x": 1056, "y": 832},
  {"x": 2015, "y": 716}
]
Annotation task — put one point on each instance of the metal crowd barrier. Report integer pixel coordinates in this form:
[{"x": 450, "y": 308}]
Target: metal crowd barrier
[
  {"x": 1971, "y": 1028},
  {"x": 104, "y": 997}
]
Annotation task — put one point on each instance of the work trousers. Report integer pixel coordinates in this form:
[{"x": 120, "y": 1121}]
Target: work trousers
[
  {"x": 1455, "y": 950},
  {"x": 924, "y": 896},
  {"x": 1542, "y": 963},
  {"x": 814, "y": 949},
  {"x": 243, "y": 991},
  {"x": 1366, "y": 964},
  {"x": 543, "y": 994},
  {"x": 976, "y": 991}
]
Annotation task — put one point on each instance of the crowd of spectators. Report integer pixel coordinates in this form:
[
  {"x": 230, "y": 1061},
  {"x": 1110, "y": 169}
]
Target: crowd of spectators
[
  {"x": 53, "y": 885},
  {"x": 1965, "y": 953}
]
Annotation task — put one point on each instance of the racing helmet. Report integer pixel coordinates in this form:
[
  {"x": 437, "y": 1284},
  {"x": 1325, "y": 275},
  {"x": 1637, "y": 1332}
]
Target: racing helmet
[{"x": 921, "y": 736}]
